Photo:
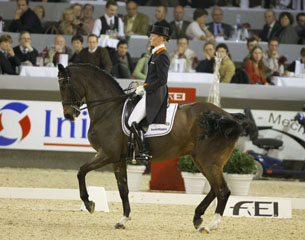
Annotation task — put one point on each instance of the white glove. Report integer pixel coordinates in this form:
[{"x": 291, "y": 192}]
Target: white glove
[{"x": 140, "y": 90}]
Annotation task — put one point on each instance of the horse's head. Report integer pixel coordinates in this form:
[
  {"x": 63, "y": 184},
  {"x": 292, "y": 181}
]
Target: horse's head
[{"x": 70, "y": 93}]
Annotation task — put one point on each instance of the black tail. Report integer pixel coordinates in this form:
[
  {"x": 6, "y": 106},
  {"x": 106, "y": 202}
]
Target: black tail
[{"x": 215, "y": 123}]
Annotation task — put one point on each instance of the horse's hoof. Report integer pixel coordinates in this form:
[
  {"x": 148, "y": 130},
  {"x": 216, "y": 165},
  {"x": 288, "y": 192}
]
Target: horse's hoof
[
  {"x": 197, "y": 223},
  {"x": 119, "y": 226},
  {"x": 90, "y": 206},
  {"x": 204, "y": 230}
]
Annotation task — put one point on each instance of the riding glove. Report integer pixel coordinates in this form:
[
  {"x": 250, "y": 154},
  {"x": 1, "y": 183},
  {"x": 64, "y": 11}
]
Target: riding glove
[{"x": 140, "y": 90}]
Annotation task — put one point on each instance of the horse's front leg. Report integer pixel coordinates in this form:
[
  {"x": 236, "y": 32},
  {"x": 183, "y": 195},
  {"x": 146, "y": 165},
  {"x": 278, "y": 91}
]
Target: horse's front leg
[
  {"x": 98, "y": 161},
  {"x": 121, "y": 177}
]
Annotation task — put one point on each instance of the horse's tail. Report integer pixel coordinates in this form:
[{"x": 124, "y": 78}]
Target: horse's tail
[{"x": 215, "y": 123}]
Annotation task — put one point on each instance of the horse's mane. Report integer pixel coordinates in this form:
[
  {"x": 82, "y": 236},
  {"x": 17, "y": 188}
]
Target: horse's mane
[{"x": 106, "y": 75}]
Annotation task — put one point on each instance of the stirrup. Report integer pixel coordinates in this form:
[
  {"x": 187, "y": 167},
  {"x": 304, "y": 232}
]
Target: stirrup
[{"x": 143, "y": 156}]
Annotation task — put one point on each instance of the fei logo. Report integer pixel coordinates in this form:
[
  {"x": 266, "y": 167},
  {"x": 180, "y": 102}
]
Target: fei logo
[{"x": 6, "y": 114}]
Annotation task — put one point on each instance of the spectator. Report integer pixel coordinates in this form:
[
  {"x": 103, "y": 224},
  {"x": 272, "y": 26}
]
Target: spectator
[
  {"x": 141, "y": 69},
  {"x": 25, "y": 19},
  {"x": 160, "y": 15},
  {"x": 135, "y": 22},
  {"x": 109, "y": 22},
  {"x": 291, "y": 68},
  {"x": 77, "y": 12},
  {"x": 40, "y": 12},
  {"x": 217, "y": 27},
  {"x": 271, "y": 27},
  {"x": 207, "y": 65},
  {"x": 77, "y": 45},
  {"x": 8, "y": 61},
  {"x": 255, "y": 66},
  {"x": 197, "y": 30},
  {"x": 227, "y": 67},
  {"x": 183, "y": 52},
  {"x": 179, "y": 25},
  {"x": 59, "y": 48},
  {"x": 271, "y": 58},
  {"x": 251, "y": 43},
  {"x": 95, "y": 55},
  {"x": 301, "y": 24},
  {"x": 287, "y": 33},
  {"x": 121, "y": 61},
  {"x": 69, "y": 25},
  {"x": 24, "y": 51},
  {"x": 88, "y": 20}
]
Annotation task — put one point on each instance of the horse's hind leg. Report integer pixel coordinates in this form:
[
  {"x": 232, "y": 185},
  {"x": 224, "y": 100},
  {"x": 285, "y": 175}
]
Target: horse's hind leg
[
  {"x": 121, "y": 177},
  {"x": 96, "y": 162}
]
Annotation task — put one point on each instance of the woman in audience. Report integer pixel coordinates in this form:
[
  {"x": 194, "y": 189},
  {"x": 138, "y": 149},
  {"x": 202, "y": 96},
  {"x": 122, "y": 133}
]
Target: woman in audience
[
  {"x": 227, "y": 67},
  {"x": 197, "y": 30},
  {"x": 287, "y": 33},
  {"x": 68, "y": 24},
  {"x": 255, "y": 66},
  {"x": 40, "y": 12},
  {"x": 141, "y": 69},
  {"x": 207, "y": 65}
]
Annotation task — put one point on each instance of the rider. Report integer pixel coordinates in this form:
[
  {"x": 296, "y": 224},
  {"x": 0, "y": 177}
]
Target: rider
[{"x": 155, "y": 93}]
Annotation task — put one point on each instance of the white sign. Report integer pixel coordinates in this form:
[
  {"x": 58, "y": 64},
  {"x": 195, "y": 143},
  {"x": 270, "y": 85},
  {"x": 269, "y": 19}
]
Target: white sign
[{"x": 258, "y": 207}]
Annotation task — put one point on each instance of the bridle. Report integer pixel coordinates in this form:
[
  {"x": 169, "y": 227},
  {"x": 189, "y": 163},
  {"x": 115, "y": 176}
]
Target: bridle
[{"x": 76, "y": 104}]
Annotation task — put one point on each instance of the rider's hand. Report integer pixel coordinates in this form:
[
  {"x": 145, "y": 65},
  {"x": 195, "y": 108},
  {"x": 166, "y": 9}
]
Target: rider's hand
[{"x": 140, "y": 90}]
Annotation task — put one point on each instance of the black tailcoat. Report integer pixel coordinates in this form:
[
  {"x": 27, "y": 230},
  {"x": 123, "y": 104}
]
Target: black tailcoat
[{"x": 156, "y": 87}]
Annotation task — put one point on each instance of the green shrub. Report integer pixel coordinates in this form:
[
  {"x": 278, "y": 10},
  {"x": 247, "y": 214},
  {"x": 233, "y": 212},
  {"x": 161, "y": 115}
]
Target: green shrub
[
  {"x": 240, "y": 163},
  {"x": 185, "y": 164}
]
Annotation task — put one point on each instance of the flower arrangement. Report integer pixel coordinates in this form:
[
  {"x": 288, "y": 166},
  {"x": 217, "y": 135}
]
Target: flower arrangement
[
  {"x": 185, "y": 164},
  {"x": 282, "y": 60},
  {"x": 240, "y": 163},
  {"x": 245, "y": 25}
]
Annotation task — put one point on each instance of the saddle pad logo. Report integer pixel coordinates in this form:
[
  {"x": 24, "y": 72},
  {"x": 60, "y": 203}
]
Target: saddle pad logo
[{"x": 22, "y": 128}]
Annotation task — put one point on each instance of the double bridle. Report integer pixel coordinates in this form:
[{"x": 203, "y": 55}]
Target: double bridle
[{"x": 76, "y": 104}]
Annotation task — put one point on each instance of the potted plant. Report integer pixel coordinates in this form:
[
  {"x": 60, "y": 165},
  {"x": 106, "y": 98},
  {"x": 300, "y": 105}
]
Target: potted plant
[
  {"x": 135, "y": 172},
  {"x": 194, "y": 181},
  {"x": 239, "y": 171}
]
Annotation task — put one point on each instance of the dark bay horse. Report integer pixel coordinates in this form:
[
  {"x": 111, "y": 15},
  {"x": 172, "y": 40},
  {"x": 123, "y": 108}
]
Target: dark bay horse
[{"x": 202, "y": 130}]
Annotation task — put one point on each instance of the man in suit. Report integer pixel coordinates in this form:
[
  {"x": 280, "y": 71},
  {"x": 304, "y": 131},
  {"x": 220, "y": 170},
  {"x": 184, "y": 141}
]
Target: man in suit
[
  {"x": 135, "y": 22},
  {"x": 95, "y": 55},
  {"x": 25, "y": 19},
  {"x": 154, "y": 91},
  {"x": 24, "y": 51},
  {"x": 178, "y": 26},
  {"x": 60, "y": 47},
  {"x": 271, "y": 27},
  {"x": 217, "y": 27},
  {"x": 8, "y": 60}
]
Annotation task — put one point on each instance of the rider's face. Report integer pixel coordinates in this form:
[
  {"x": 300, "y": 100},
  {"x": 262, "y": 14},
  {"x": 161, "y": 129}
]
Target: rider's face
[{"x": 156, "y": 40}]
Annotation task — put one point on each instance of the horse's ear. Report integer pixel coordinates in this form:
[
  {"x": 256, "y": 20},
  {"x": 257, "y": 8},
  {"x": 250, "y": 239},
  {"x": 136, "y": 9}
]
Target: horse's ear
[{"x": 61, "y": 68}]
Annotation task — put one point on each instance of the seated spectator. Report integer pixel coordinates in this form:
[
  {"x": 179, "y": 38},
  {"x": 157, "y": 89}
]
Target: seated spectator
[
  {"x": 207, "y": 65},
  {"x": 88, "y": 20},
  {"x": 255, "y": 66},
  {"x": 95, "y": 55},
  {"x": 217, "y": 27},
  {"x": 121, "y": 61},
  {"x": 183, "y": 52},
  {"x": 25, "y": 19},
  {"x": 179, "y": 25},
  {"x": 135, "y": 22},
  {"x": 141, "y": 69},
  {"x": 69, "y": 25},
  {"x": 77, "y": 45},
  {"x": 287, "y": 33},
  {"x": 197, "y": 30},
  {"x": 8, "y": 61},
  {"x": 24, "y": 51},
  {"x": 59, "y": 48},
  {"x": 290, "y": 71},
  {"x": 251, "y": 43},
  {"x": 160, "y": 15},
  {"x": 77, "y": 12},
  {"x": 301, "y": 24},
  {"x": 109, "y": 22},
  {"x": 271, "y": 27},
  {"x": 271, "y": 58},
  {"x": 227, "y": 67},
  {"x": 40, "y": 12}
]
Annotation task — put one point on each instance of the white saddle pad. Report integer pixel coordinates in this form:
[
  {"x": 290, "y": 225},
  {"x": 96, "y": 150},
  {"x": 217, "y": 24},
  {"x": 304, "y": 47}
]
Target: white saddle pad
[{"x": 156, "y": 130}]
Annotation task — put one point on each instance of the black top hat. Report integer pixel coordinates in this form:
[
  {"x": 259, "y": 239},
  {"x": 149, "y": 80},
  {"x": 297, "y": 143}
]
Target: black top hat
[{"x": 160, "y": 30}]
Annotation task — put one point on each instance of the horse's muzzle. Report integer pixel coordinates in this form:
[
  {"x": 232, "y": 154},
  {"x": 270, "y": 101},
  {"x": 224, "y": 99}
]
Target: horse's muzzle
[{"x": 71, "y": 113}]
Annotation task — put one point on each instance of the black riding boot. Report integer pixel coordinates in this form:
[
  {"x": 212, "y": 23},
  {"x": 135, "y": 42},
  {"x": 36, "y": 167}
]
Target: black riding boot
[{"x": 139, "y": 136}]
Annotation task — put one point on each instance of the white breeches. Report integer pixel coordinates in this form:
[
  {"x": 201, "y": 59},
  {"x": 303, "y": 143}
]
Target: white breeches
[{"x": 139, "y": 112}]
